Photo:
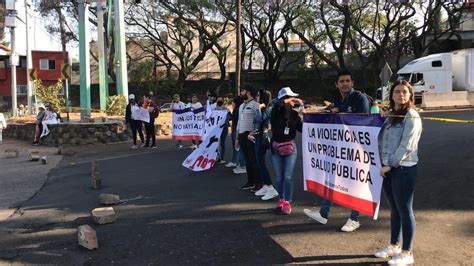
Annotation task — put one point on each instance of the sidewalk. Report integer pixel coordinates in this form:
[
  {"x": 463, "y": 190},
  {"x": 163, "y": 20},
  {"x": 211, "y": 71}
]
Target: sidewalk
[{"x": 20, "y": 179}]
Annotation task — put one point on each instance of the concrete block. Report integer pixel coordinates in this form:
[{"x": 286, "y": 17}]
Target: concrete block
[
  {"x": 44, "y": 160},
  {"x": 87, "y": 237},
  {"x": 33, "y": 155},
  {"x": 103, "y": 215},
  {"x": 12, "y": 153},
  {"x": 109, "y": 199}
]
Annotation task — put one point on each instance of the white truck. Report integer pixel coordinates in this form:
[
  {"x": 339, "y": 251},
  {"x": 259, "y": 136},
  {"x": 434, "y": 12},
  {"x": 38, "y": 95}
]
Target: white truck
[{"x": 442, "y": 80}]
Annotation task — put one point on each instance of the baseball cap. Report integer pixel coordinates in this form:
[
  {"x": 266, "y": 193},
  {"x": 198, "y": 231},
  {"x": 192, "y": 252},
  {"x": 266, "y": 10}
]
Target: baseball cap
[
  {"x": 131, "y": 97},
  {"x": 286, "y": 91}
]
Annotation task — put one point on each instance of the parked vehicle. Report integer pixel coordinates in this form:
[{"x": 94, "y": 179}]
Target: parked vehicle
[
  {"x": 448, "y": 77},
  {"x": 165, "y": 107}
]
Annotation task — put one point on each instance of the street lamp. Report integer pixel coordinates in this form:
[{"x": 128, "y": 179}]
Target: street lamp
[{"x": 10, "y": 21}]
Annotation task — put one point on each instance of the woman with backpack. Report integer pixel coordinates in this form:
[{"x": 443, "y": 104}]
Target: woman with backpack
[{"x": 285, "y": 121}]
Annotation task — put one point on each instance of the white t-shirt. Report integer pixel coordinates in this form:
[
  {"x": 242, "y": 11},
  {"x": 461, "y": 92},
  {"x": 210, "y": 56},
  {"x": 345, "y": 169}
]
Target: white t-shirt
[
  {"x": 178, "y": 106},
  {"x": 194, "y": 106}
]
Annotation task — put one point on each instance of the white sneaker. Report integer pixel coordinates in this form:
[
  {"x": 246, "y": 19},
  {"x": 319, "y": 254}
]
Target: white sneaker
[
  {"x": 388, "y": 251},
  {"x": 134, "y": 147},
  {"x": 239, "y": 170},
  {"x": 403, "y": 258},
  {"x": 315, "y": 215},
  {"x": 350, "y": 226},
  {"x": 230, "y": 164},
  {"x": 270, "y": 194},
  {"x": 262, "y": 191},
  {"x": 193, "y": 146}
]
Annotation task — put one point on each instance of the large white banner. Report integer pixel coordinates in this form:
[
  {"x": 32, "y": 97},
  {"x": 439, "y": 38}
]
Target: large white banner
[
  {"x": 188, "y": 124},
  {"x": 341, "y": 161},
  {"x": 141, "y": 114},
  {"x": 204, "y": 157}
]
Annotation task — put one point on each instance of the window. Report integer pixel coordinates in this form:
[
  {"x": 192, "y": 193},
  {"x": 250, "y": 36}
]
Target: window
[
  {"x": 437, "y": 63},
  {"x": 23, "y": 63},
  {"x": 46, "y": 64},
  {"x": 2, "y": 64},
  {"x": 21, "y": 89},
  {"x": 417, "y": 79}
]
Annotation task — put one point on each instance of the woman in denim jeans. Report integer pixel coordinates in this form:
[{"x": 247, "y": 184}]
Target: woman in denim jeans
[
  {"x": 398, "y": 142},
  {"x": 285, "y": 121}
]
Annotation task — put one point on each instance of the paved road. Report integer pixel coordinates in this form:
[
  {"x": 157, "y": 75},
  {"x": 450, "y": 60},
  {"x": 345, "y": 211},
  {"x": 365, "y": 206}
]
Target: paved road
[
  {"x": 20, "y": 179},
  {"x": 173, "y": 216}
]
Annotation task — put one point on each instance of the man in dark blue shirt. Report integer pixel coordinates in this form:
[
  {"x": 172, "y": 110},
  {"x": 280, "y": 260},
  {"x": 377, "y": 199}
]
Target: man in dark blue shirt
[{"x": 347, "y": 100}]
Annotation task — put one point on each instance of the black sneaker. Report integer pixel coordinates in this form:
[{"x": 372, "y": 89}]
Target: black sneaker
[
  {"x": 256, "y": 188},
  {"x": 247, "y": 186}
]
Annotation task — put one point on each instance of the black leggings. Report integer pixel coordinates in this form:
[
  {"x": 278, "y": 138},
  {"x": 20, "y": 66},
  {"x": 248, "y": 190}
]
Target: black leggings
[
  {"x": 150, "y": 132},
  {"x": 136, "y": 125}
]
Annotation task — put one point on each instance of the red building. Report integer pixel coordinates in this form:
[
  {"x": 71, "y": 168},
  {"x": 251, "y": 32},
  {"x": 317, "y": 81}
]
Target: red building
[{"x": 47, "y": 64}]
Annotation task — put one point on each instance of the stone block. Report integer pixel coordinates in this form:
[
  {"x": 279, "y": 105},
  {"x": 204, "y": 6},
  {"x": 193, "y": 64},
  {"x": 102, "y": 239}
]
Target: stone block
[
  {"x": 33, "y": 155},
  {"x": 87, "y": 237},
  {"x": 12, "y": 153},
  {"x": 109, "y": 199},
  {"x": 104, "y": 215},
  {"x": 44, "y": 160}
]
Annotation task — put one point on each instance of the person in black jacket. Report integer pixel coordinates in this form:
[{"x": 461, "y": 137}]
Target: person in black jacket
[
  {"x": 285, "y": 120},
  {"x": 135, "y": 125}
]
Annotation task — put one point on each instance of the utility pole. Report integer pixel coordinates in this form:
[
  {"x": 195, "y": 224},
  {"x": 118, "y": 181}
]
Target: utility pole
[
  {"x": 84, "y": 63},
  {"x": 10, "y": 21},
  {"x": 238, "y": 43},
  {"x": 65, "y": 57},
  {"x": 103, "y": 77},
  {"x": 120, "y": 48},
  {"x": 29, "y": 64}
]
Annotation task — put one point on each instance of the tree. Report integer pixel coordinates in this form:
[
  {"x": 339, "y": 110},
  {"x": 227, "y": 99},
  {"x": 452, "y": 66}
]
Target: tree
[
  {"x": 266, "y": 25},
  {"x": 182, "y": 33}
]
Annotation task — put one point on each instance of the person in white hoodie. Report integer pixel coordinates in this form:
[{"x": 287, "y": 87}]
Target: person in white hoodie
[{"x": 3, "y": 125}]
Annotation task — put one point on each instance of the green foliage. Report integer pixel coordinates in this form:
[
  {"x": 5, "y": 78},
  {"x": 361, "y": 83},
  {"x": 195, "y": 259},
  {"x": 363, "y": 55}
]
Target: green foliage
[
  {"x": 116, "y": 105},
  {"x": 50, "y": 94}
]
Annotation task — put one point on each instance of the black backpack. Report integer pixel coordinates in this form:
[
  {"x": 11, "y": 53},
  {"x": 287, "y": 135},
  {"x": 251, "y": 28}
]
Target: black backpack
[{"x": 369, "y": 98}]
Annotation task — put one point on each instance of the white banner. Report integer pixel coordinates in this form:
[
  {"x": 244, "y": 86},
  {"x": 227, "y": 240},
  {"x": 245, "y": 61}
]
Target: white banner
[
  {"x": 204, "y": 157},
  {"x": 341, "y": 161},
  {"x": 188, "y": 124},
  {"x": 142, "y": 114}
]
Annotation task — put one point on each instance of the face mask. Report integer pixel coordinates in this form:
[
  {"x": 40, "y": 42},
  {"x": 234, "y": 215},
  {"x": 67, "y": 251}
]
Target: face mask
[{"x": 220, "y": 103}]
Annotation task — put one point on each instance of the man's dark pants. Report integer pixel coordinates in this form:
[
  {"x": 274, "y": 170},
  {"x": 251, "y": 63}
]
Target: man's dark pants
[{"x": 248, "y": 148}]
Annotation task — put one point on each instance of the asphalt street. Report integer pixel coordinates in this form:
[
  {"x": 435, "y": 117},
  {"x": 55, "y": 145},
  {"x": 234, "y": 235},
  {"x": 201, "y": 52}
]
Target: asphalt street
[{"x": 170, "y": 215}]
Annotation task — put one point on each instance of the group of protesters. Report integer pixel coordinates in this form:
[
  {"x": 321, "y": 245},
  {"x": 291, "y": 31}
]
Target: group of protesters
[
  {"x": 261, "y": 125},
  {"x": 398, "y": 142}
]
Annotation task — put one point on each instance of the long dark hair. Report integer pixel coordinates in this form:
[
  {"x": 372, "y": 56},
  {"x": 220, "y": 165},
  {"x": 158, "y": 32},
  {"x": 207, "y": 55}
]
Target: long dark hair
[
  {"x": 265, "y": 97},
  {"x": 400, "y": 113}
]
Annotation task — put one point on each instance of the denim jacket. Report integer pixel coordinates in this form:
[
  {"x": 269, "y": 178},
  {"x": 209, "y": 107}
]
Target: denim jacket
[
  {"x": 261, "y": 120},
  {"x": 399, "y": 142}
]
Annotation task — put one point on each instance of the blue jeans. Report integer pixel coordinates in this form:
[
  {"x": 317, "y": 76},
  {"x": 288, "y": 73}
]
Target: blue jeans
[
  {"x": 326, "y": 207},
  {"x": 237, "y": 156},
  {"x": 399, "y": 187},
  {"x": 284, "y": 167},
  {"x": 262, "y": 166}
]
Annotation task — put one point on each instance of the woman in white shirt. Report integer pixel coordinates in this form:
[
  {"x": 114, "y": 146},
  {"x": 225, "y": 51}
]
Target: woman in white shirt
[
  {"x": 51, "y": 118},
  {"x": 194, "y": 104}
]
